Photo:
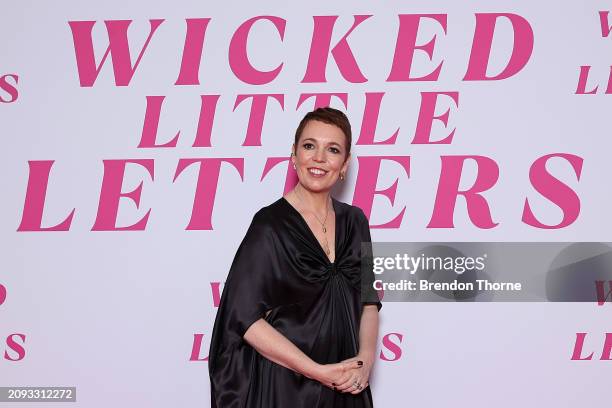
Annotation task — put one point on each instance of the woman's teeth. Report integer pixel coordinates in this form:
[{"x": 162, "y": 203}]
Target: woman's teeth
[{"x": 317, "y": 172}]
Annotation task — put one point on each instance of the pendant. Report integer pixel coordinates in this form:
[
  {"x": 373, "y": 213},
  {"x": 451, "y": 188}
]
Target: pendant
[{"x": 324, "y": 229}]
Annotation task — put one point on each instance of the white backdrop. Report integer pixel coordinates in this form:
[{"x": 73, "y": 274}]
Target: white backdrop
[{"x": 126, "y": 315}]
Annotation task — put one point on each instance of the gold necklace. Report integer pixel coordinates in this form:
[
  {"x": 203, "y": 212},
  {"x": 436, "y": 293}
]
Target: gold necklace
[{"x": 327, "y": 250}]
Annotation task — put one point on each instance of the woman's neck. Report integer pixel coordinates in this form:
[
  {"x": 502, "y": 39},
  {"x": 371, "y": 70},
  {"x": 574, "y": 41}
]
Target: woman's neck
[{"x": 313, "y": 201}]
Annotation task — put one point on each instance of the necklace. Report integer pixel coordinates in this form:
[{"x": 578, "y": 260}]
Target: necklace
[{"x": 327, "y": 250}]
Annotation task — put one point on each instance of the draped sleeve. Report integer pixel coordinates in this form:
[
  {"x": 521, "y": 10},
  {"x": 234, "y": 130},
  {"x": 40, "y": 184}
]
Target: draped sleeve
[
  {"x": 251, "y": 288},
  {"x": 369, "y": 295}
]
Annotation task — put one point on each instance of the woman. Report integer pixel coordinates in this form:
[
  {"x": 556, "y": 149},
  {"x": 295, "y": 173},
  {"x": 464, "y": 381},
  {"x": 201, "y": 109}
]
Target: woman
[{"x": 297, "y": 324}]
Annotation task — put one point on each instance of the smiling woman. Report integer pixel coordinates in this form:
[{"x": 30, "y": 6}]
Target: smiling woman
[{"x": 295, "y": 326}]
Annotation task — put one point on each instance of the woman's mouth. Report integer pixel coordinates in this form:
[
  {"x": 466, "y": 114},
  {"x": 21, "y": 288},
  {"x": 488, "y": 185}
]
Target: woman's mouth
[{"x": 317, "y": 172}]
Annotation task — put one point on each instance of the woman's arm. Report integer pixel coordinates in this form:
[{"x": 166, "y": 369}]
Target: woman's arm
[
  {"x": 277, "y": 348},
  {"x": 271, "y": 344},
  {"x": 368, "y": 332},
  {"x": 368, "y": 337}
]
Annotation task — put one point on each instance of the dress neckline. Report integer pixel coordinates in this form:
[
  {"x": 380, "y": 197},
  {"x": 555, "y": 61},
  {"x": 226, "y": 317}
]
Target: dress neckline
[{"x": 312, "y": 235}]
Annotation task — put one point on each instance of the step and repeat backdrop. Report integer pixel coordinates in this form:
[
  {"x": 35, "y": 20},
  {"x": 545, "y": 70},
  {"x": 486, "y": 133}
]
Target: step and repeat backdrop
[{"x": 139, "y": 138}]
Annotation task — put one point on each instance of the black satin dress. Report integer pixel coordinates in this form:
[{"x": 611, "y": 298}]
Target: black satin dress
[{"x": 281, "y": 267}]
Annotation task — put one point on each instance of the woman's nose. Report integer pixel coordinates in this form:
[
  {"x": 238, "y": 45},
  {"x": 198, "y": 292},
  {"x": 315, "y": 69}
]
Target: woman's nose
[{"x": 319, "y": 155}]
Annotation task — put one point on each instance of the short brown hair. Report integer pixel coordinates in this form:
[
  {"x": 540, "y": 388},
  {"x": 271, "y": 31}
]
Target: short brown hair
[{"x": 330, "y": 116}]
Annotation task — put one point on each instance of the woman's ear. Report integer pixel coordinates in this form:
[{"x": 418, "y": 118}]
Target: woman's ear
[{"x": 346, "y": 163}]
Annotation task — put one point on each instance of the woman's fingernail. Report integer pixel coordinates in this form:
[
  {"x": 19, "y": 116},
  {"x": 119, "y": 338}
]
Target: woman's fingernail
[{"x": 360, "y": 363}]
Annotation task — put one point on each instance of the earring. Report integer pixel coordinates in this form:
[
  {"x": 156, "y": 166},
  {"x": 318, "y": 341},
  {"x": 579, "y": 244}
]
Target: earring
[
  {"x": 294, "y": 168},
  {"x": 342, "y": 176}
]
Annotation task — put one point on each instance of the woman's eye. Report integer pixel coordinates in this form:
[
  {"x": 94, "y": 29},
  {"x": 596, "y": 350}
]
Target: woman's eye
[
  {"x": 308, "y": 145},
  {"x": 334, "y": 150}
]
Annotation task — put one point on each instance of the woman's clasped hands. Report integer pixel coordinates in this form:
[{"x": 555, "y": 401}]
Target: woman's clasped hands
[{"x": 350, "y": 375}]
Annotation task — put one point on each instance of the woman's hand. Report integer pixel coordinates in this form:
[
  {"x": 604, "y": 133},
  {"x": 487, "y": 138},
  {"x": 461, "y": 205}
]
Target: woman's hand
[
  {"x": 358, "y": 379},
  {"x": 332, "y": 375}
]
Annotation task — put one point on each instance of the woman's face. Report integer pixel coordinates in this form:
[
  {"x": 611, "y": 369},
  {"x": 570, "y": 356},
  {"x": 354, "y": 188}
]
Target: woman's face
[{"x": 320, "y": 156}]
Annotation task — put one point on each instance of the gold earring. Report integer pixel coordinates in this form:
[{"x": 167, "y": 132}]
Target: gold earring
[{"x": 341, "y": 176}]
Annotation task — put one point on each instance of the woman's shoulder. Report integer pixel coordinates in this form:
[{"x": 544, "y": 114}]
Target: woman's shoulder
[
  {"x": 271, "y": 214},
  {"x": 352, "y": 210}
]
